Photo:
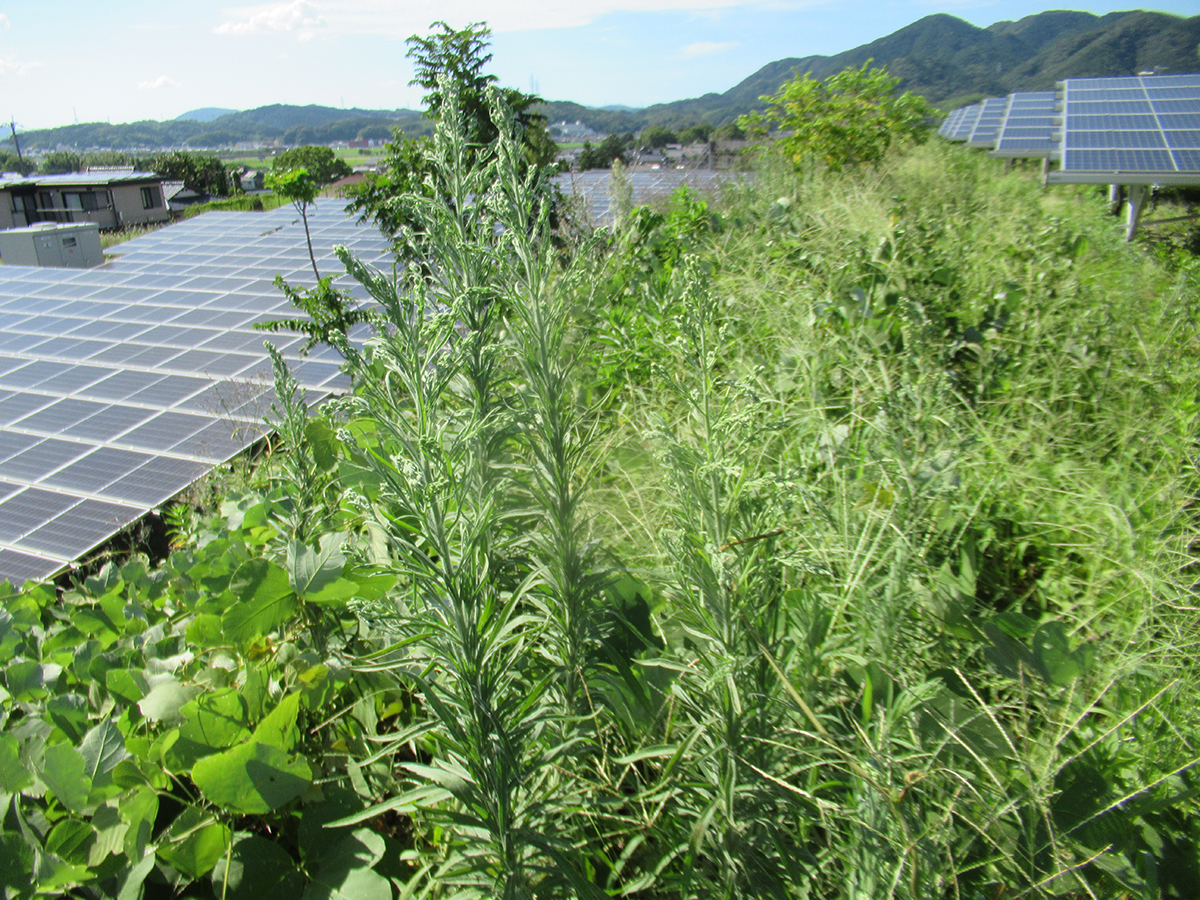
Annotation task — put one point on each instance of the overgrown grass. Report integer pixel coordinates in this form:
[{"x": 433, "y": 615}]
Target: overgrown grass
[
  {"x": 242, "y": 203},
  {"x": 833, "y": 538}
]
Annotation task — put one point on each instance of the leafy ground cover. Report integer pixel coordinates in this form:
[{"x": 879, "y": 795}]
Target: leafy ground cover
[{"x": 830, "y": 539}]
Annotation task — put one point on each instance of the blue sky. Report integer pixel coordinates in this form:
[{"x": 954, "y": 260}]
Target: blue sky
[{"x": 68, "y": 60}]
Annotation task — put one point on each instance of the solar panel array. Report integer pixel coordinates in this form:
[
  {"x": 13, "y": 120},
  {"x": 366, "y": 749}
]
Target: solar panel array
[
  {"x": 121, "y": 385},
  {"x": 1027, "y": 129},
  {"x": 1126, "y": 130},
  {"x": 595, "y": 189},
  {"x": 966, "y": 123},
  {"x": 991, "y": 117},
  {"x": 1148, "y": 127}
]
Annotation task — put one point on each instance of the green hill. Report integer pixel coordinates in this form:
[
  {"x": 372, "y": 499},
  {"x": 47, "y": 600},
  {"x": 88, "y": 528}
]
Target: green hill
[{"x": 945, "y": 59}]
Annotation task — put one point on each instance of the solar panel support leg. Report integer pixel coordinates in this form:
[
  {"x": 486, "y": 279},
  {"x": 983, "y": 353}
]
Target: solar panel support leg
[
  {"x": 1137, "y": 199},
  {"x": 1114, "y": 199},
  {"x": 1046, "y": 172}
]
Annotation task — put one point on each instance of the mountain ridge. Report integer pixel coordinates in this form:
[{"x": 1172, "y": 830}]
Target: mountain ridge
[{"x": 946, "y": 59}]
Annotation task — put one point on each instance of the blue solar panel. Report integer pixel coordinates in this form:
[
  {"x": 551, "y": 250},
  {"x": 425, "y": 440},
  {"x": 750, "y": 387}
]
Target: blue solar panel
[
  {"x": 1190, "y": 139},
  {"x": 1176, "y": 120},
  {"x": 966, "y": 124},
  {"x": 1028, "y": 128},
  {"x": 1156, "y": 94},
  {"x": 1117, "y": 140},
  {"x": 1113, "y": 123},
  {"x": 1119, "y": 161},
  {"x": 1189, "y": 160},
  {"x": 951, "y": 122},
  {"x": 1109, "y": 107},
  {"x": 1108, "y": 135},
  {"x": 987, "y": 126}
]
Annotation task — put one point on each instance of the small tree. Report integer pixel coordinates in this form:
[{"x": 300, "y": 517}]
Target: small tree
[
  {"x": 321, "y": 163},
  {"x": 852, "y": 117},
  {"x": 657, "y": 136},
  {"x": 611, "y": 150},
  {"x": 59, "y": 162},
  {"x": 300, "y": 188}
]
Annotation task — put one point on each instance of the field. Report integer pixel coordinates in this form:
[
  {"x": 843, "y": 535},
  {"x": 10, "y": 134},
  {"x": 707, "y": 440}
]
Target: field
[
  {"x": 261, "y": 159},
  {"x": 830, "y": 538}
]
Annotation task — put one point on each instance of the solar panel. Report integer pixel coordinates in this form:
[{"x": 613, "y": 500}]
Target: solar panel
[
  {"x": 966, "y": 124},
  {"x": 987, "y": 126},
  {"x": 1028, "y": 127},
  {"x": 951, "y": 121},
  {"x": 1127, "y": 131},
  {"x": 121, "y": 385},
  {"x": 594, "y": 188}
]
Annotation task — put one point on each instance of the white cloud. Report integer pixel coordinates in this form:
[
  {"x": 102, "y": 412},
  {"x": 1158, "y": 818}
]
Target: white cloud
[
  {"x": 4, "y": 23},
  {"x": 706, "y": 48},
  {"x": 161, "y": 81},
  {"x": 10, "y": 65},
  {"x": 389, "y": 18},
  {"x": 299, "y": 16}
]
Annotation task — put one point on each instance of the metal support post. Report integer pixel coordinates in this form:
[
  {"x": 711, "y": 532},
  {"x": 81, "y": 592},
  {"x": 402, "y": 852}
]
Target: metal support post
[{"x": 1137, "y": 199}]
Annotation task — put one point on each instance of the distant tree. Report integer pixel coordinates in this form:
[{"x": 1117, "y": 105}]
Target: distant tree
[
  {"x": 108, "y": 158},
  {"x": 374, "y": 133},
  {"x": 10, "y": 162},
  {"x": 657, "y": 137},
  {"x": 696, "y": 134},
  {"x": 602, "y": 157},
  {"x": 849, "y": 118},
  {"x": 202, "y": 174},
  {"x": 729, "y": 132},
  {"x": 321, "y": 163},
  {"x": 59, "y": 162}
]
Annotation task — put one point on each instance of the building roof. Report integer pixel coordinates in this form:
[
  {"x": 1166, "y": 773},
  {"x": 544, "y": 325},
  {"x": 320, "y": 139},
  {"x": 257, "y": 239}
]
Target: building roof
[{"x": 83, "y": 179}]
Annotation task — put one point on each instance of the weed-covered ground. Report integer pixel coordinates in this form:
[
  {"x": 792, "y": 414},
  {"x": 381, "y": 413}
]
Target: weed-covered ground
[{"x": 832, "y": 538}]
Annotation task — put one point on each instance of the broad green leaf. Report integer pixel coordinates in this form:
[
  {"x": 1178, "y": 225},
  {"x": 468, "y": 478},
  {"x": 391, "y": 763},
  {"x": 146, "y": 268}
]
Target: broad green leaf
[
  {"x": 102, "y": 748},
  {"x": 164, "y": 702},
  {"x": 218, "y": 719},
  {"x": 54, "y": 875},
  {"x": 126, "y": 684},
  {"x": 252, "y": 778},
  {"x": 13, "y": 774},
  {"x": 139, "y": 811},
  {"x": 130, "y": 883},
  {"x": 322, "y": 441},
  {"x": 28, "y": 681},
  {"x": 279, "y": 729},
  {"x": 110, "y": 833},
  {"x": 63, "y": 772},
  {"x": 205, "y": 631},
  {"x": 71, "y": 840},
  {"x": 345, "y": 872},
  {"x": 265, "y": 601},
  {"x": 257, "y": 869},
  {"x": 1057, "y": 662},
  {"x": 70, "y": 713},
  {"x": 312, "y": 571},
  {"x": 348, "y": 883},
  {"x": 16, "y": 864},
  {"x": 194, "y": 843}
]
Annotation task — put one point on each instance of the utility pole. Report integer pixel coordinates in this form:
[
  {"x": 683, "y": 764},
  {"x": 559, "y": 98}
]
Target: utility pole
[{"x": 13, "y": 124}]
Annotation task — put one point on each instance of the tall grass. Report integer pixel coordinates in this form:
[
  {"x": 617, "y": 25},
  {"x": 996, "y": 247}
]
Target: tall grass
[{"x": 831, "y": 540}]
